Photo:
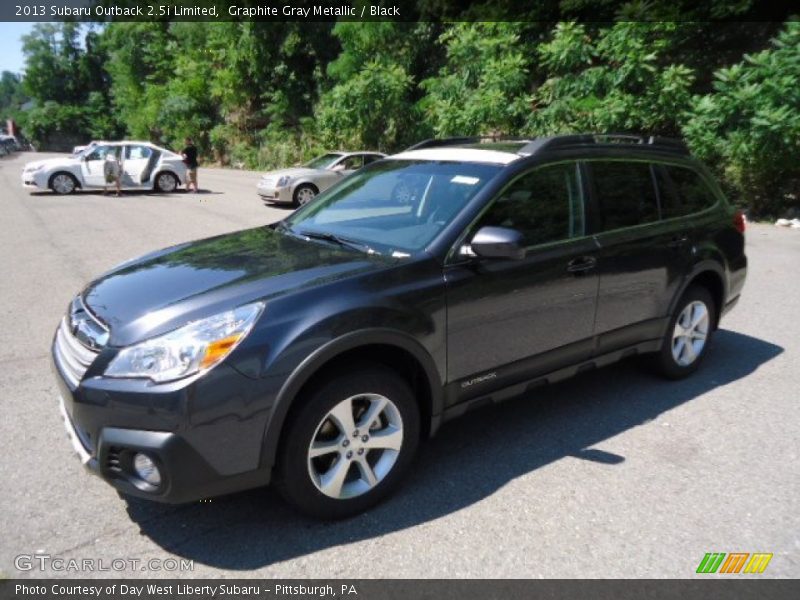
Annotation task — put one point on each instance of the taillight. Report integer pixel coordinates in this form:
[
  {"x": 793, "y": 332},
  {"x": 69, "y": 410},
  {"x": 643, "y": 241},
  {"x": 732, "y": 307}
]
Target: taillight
[{"x": 739, "y": 221}]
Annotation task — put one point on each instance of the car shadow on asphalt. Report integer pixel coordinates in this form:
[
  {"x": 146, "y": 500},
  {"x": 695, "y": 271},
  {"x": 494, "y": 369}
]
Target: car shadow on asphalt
[{"x": 468, "y": 461}]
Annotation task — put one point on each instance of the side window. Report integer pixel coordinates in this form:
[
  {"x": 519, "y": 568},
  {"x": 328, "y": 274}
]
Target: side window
[
  {"x": 351, "y": 163},
  {"x": 683, "y": 192},
  {"x": 137, "y": 152},
  {"x": 99, "y": 153},
  {"x": 371, "y": 158},
  {"x": 545, "y": 205},
  {"x": 626, "y": 195}
]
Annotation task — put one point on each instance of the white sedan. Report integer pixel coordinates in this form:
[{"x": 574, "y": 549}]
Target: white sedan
[
  {"x": 299, "y": 185},
  {"x": 144, "y": 167}
]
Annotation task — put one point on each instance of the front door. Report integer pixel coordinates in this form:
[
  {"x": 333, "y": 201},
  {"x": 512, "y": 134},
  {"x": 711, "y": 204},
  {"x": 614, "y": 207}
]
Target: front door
[
  {"x": 511, "y": 320},
  {"x": 349, "y": 164},
  {"x": 93, "y": 166}
]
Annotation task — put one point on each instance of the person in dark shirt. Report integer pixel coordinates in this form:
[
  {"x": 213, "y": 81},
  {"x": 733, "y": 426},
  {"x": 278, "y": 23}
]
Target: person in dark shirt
[{"x": 189, "y": 154}]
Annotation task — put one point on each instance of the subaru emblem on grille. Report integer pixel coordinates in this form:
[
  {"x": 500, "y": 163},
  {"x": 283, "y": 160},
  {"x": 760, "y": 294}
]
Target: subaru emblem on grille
[{"x": 87, "y": 331}]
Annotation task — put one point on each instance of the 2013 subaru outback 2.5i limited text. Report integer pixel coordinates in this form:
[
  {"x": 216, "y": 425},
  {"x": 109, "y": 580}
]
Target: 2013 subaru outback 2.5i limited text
[{"x": 317, "y": 352}]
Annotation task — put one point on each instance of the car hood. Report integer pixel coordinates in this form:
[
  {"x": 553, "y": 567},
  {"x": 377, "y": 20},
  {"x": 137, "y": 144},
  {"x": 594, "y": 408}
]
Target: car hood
[
  {"x": 53, "y": 163},
  {"x": 293, "y": 172},
  {"x": 166, "y": 289}
]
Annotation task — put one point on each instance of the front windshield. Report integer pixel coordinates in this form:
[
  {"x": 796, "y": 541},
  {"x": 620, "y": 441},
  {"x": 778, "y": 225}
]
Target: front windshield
[
  {"x": 394, "y": 206},
  {"x": 324, "y": 161}
]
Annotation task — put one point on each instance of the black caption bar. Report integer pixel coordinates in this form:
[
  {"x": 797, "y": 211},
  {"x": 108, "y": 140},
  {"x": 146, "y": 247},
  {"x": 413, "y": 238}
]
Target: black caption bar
[
  {"x": 409, "y": 589},
  {"x": 388, "y": 10}
]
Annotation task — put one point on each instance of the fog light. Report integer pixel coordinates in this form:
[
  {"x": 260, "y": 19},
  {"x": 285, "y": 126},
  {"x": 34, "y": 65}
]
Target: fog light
[{"x": 146, "y": 469}]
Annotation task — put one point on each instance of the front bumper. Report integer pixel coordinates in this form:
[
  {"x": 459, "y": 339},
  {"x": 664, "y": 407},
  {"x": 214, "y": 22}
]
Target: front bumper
[
  {"x": 270, "y": 193},
  {"x": 33, "y": 181},
  {"x": 196, "y": 460}
]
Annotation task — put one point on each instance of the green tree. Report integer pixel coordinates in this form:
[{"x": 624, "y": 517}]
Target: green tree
[
  {"x": 750, "y": 124},
  {"x": 375, "y": 85},
  {"x": 12, "y": 96},
  {"x": 66, "y": 78},
  {"x": 482, "y": 88},
  {"x": 620, "y": 79},
  {"x": 140, "y": 64}
]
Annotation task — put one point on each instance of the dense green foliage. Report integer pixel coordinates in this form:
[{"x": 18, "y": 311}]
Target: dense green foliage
[
  {"x": 260, "y": 94},
  {"x": 750, "y": 123}
]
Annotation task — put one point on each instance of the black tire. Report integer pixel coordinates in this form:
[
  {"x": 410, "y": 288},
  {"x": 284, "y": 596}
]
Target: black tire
[
  {"x": 302, "y": 190},
  {"x": 54, "y": 179},
  {"x": 665, "y": 361},
  {"x": 294, "y": 467},
  {"x": 165, "y": 188}
]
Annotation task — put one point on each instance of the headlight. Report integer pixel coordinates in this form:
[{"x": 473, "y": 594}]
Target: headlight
[
  {"x": 285, "y": 180},
  {"x": 34, "y": 169},
  {"x": 195, "y": 347}
]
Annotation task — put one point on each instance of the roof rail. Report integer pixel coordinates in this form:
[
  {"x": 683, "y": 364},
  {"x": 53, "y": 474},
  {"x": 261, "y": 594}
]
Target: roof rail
[
  {"x": 450, "y": 141},
  {"x": 471, "y": 139},
  {"x": 606, "y": 139}
]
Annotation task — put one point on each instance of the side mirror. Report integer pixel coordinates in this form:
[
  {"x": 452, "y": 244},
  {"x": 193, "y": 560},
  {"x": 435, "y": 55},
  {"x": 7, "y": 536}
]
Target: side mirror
[{"x": 498, "y": 242}]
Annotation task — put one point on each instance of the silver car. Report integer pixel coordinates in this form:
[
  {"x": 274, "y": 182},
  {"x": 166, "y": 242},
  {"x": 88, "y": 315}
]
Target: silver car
[{"x": 299, "y": 185}]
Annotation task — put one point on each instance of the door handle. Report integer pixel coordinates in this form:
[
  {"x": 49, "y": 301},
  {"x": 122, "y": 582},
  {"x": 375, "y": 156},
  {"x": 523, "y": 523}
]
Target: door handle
[
  {"x": 678, "y": 240},
  {"x": 581, "y": 264}
]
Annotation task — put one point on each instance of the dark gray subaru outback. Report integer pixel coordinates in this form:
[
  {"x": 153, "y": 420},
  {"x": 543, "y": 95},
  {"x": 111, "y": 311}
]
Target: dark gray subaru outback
[{"x": 318, "y": 352}]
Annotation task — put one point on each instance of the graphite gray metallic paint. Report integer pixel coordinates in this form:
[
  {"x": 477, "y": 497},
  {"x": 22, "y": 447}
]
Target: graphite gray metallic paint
[{"x": 472, "y": 325}]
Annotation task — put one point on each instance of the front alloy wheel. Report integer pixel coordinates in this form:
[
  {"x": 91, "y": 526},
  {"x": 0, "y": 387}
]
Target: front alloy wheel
[
  {"x": 63, "y": 183},
  {"x": 355, "y": 446},
  {"x": 348, "y": 441},
  {"x": 304, "y": 194}
]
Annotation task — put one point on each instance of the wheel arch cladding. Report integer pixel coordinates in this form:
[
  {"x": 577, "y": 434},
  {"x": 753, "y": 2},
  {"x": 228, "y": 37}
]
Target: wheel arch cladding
[
  {"x": 75, "y": 179},
  {"x": 393, "y": 351},
  {"x": 713, "y": 282}
]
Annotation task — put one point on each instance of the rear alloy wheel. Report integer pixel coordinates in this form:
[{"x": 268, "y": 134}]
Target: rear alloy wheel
[
  {"x": 304, "y": 194},
  {"x": 166, "y": 182},
  {"x": 688, "y": 335},
  {"x": 350, "y": 444},
  {"x": 63, "y": 183}
]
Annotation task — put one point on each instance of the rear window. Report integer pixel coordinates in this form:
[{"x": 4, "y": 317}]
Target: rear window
[
  {"x": 625, "y": 193},
  {"x": 683, "y": 192}
]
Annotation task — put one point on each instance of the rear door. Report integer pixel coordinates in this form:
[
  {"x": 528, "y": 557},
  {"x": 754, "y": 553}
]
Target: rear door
[
  {"x": 642, "y": 258},
  {"x": 137, "y": 157}
]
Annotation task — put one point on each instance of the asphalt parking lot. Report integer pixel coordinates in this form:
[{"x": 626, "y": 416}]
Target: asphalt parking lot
[{"x": 612, "y": 474}]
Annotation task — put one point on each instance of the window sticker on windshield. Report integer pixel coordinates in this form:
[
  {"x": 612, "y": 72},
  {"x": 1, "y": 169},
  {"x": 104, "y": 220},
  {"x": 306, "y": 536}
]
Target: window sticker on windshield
[{"x": 465, "y": 180}]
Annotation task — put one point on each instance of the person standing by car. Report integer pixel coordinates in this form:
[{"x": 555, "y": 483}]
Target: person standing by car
[
  {"x": 112, "y": 169},
  {"x": 189, "y": 154}
]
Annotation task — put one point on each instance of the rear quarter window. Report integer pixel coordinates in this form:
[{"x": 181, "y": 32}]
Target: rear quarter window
[{"x": 683, "y": 192}]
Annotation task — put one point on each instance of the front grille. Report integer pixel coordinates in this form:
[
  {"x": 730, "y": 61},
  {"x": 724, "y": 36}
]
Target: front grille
[
  {"x": 79, "y": 339},
  {"x": 73, "y": 357}
]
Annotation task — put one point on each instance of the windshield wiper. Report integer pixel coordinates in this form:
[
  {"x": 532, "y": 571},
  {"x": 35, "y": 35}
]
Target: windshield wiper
[{"x": 341, "y": 241}]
